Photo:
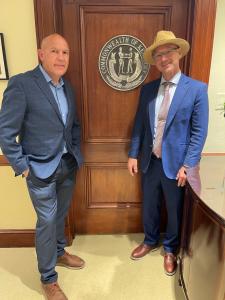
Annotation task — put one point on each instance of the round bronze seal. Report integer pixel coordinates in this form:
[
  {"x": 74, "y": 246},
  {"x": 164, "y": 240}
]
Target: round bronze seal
[{"x": 121, "y": 63}]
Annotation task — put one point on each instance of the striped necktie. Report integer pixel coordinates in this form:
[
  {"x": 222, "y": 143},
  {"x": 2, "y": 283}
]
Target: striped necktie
[{"x": 163, "y": 112}]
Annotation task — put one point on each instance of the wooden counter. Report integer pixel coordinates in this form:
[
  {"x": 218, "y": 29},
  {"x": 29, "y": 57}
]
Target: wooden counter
[{"x": 202, "y": 255}]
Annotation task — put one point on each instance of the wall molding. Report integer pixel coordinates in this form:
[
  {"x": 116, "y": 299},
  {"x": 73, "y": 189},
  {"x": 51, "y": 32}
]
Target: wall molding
[
  {"x": 213, "y": 154},
  {"x": 17, "y": 238},
  {"x": 3, "y": 161}
]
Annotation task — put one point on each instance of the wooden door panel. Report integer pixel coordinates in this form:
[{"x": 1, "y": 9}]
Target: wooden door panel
[
  {"x": 122, "y": 192},
  {"x": 109, "y": 113}
]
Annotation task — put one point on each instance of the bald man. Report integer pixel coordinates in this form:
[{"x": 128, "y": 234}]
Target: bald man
[{"x": 39, "y": 107}]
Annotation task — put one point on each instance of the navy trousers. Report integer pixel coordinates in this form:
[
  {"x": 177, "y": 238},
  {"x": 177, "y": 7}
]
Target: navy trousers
[
  {"x": 155, "y": 185},
  {"x": 51, "y": 199}
]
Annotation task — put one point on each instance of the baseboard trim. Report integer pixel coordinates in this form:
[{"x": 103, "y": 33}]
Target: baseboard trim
[
  {"x": 17, "y": 238},
  {"x": 213, "y": 154},
  {"x": 3, "y": 161}
]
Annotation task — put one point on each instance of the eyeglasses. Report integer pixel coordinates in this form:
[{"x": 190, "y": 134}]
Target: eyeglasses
[{"x": 167, "y": 53}]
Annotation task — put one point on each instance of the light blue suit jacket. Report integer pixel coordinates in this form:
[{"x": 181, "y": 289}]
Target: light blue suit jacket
[
  {"x": 185, "y": 130},
  {"x": 30, "y": 112}
]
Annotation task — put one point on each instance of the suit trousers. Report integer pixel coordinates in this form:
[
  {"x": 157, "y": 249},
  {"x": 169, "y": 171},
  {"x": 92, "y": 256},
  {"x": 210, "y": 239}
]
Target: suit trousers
[
  {"x": 51, "y": 199},
  {"x": 155, "y": 186}
]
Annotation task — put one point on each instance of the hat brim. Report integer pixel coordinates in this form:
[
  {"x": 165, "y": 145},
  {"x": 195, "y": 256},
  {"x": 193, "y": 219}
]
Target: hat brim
[{"x": 182, "y": 44}]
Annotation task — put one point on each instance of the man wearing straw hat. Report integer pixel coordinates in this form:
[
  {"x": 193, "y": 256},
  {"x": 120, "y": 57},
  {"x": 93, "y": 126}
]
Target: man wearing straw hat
[{"x": 169, "y": 133}]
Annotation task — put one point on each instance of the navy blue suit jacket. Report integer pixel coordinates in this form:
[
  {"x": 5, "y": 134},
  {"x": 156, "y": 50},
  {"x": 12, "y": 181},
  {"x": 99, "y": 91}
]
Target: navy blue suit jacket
[
  {"x": 185, "y": 130},
  {"x": 30, "y": 112}
]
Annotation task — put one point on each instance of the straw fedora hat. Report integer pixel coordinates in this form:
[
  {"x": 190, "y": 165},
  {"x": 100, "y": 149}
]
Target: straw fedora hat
[{"x": 162, "y": 38}]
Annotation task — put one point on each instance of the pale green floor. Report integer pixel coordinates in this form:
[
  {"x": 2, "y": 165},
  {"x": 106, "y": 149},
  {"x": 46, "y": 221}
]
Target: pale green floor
[{"x": 109, "y": 274}]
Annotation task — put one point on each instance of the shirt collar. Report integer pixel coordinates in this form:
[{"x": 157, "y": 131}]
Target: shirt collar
[
  {"x": 48, "y": 78},
  {"x": 174, "y": 80}
]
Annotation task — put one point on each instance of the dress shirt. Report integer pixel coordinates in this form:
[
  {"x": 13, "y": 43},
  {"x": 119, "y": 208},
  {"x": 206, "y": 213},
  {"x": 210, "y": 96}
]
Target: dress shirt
[{"x": 59, "y": 95}]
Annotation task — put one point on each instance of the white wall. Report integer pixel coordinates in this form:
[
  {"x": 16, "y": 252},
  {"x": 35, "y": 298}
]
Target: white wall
[
  {"x": 18, "y": 26},
  {"x": 216, "y": 136}
]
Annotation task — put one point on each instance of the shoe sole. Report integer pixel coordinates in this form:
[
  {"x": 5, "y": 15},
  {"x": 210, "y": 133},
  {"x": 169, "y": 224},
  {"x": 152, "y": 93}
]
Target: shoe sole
[
  {"x": 68, "y": 267},
  {"x": 46, "y": 298},
  {"x": 138, "y": 258}
]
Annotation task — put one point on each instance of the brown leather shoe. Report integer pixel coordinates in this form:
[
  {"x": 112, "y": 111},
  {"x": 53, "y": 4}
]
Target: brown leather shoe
[
  {"x": 170, "y": 263},
  {"x": 53, "y": 291},
  {"x": 142, "y": 250},
  {"x": 70, "y": 261}
]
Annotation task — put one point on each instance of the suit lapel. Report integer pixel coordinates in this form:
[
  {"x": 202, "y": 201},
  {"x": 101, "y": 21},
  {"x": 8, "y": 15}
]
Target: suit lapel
[
  {"x": 178, "y": 98},
  {"x": 151, "y": 106},
  {"x": 43, "y": 85},
  {"x": 69, "y": 99}
]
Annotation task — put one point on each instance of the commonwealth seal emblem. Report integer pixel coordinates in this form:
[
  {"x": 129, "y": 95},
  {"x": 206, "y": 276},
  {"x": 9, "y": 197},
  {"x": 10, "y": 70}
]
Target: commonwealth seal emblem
[{"x": 121, "y": 63}]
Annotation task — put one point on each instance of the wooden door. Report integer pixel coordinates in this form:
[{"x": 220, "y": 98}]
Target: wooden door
[{"x": 107, "y": 199}]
